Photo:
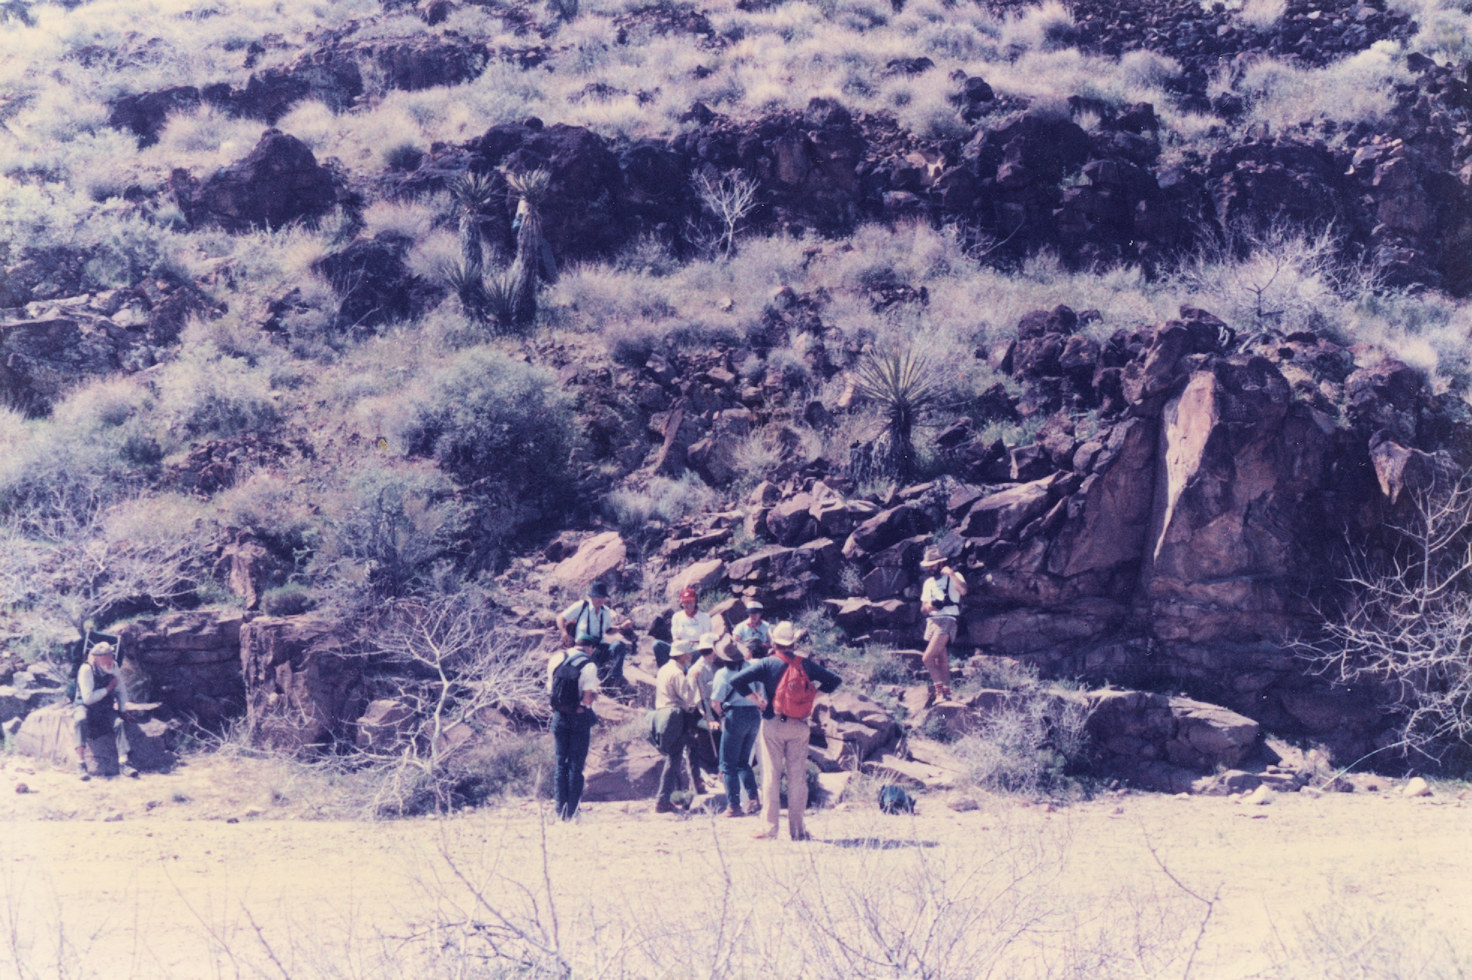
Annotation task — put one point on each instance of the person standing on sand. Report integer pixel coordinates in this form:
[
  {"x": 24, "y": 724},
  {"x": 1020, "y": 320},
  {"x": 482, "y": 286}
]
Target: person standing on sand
[
  {"x": 741, "y": 721},
  {"x": 790, "y": 677},
  {"x": 940, "y": 601},
  {"x": 98, "y": 707},
  {"x": 573, "y": 692},
  {"x": 676, "y": 711}
]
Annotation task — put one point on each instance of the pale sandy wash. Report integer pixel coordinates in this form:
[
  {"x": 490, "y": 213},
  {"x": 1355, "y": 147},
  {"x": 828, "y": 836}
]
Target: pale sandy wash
[{"x": 126, "y": 880}]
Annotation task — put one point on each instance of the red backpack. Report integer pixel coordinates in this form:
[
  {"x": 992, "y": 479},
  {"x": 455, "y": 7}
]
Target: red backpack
[{"x": 795, "y": 692}]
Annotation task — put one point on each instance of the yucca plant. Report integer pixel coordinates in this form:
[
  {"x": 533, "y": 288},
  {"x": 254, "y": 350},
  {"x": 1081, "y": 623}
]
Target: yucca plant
[
  {"x": 469, "y": 285},
  {"x": 473, "y": 195},
  {"x": 905, "y": 389},
  {"x": 531, "y": 187}
]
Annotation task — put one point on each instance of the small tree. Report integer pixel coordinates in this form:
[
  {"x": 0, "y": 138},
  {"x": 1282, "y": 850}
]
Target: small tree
[
  {"x": 1405, "y": 621},
  {"x": 439, "y": 657},
  {"x": 905, "y": 389},
  {"x": 729, "y": 198}
]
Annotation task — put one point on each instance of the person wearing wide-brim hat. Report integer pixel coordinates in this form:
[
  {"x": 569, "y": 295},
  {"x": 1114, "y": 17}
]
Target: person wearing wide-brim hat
[
  {"x": 940, "y": 601},
  {"x": 593, "y": 615},
  {"x": 784, "y": 736},
  {"x": 98, "y": 706},
  {"x": 741, "y": 722},
  {"x": 675, "y": 722}
]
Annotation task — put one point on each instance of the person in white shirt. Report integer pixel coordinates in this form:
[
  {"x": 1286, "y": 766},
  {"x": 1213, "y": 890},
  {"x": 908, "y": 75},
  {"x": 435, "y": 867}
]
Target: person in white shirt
[
  {"x": 593, "y": 615},
  {"x": 940, "y": 601},
  {"x": 687, "y": 625},
  {"x": 572, "y": 728},
  {"x": 98, "y": 707}
]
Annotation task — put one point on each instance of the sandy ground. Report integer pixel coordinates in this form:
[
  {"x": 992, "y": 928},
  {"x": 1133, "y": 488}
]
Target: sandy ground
[{"x": 212, "y": 871}]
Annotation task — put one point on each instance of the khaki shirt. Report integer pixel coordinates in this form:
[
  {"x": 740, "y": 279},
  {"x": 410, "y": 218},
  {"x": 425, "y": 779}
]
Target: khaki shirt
[{"x": 672, "y": 689}]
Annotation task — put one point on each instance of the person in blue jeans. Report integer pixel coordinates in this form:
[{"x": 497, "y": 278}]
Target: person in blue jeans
[
  {"x": 741, "y": 721},
  {"x": 572, "y": 731}
]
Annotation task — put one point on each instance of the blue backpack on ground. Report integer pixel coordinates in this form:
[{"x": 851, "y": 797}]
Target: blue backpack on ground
[{"x": 893, "y": 799}]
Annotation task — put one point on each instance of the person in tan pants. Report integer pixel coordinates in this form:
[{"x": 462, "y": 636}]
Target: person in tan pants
[{"x": 784, "y": 737}]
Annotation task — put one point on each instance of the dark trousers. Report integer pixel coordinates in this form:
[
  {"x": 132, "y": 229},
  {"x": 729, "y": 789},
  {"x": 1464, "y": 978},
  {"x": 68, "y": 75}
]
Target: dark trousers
[
  {"x": 570, "y": 740},
  {"x": 609, "y": 659},
  {"x": 739, "y": 730},
  {"x": 670, "y": 775}
]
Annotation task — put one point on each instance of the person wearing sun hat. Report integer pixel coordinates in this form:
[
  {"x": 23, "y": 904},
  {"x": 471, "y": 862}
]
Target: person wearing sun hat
[
  {"x": 98, "y": 707},
  {"x": 593, "y": 615},
  {"x": 940, "y": 602},
  {"x": 785, "y": 729}
]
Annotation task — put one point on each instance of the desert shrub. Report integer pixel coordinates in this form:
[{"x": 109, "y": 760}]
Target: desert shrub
[
  {"x": 1028, "y": 745},
  {"x": 287, "y": 600},
  {"x": 1401, "y": 622},
  {"x": 660, "y": 504},
  {"x": 483, "y": 415},
  {"x": 385, "y": 531},
  {"x": 275, "y": 508},
  {"x": 206, "y": 392}
]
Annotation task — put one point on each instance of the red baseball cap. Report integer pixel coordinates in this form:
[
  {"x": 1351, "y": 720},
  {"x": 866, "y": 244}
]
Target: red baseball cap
[{"x": 688, "y": 596}]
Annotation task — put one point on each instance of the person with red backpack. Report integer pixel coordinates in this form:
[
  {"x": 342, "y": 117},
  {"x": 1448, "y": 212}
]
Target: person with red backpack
[{"x": 793, "y": 681}]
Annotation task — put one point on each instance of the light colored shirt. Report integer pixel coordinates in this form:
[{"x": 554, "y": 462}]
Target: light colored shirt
[
  {"x": 942, "y": 594},
  {"x": 724, "y": 695},
  {"x": 587, "y": 677},
  {"x": 672, "y": 689},
  {"x": 748, "y": 636},
  {"x": 581, "y": 617},
  {"x": 92, "y": 684},
  {"x": 701, "y": 677},
  {"x": 690, "y": 628}
]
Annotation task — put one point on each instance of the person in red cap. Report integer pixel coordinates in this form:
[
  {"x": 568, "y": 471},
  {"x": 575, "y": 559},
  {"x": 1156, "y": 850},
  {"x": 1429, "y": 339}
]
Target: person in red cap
[{"x": 688, "y": 626}]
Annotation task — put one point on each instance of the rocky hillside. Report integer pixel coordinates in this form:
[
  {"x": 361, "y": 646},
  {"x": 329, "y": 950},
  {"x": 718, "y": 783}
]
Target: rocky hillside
[{"x": 331, "y": 334}]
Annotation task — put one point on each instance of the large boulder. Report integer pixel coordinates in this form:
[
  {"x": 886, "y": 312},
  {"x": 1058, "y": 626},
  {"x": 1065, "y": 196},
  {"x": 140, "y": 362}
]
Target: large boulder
[
  {"x": 1239, "y": 518},
  {"x": 188, "y": 661},
  {"x": 41, "y": 359},
  {"x": 373, "y": 283},
  {"x": 1150, "y": 738},
  {"x": 278, "y": 183},
  {"x": 302, "y": 690},
  {"x": 598, "y": 559}
]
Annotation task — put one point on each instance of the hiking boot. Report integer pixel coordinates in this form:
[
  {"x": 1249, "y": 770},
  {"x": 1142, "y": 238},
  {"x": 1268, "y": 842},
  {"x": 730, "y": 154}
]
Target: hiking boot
[
  {"x": 734, "y": 811},
  {"x": 129, "y": 771},
  {"x": 754, "y": 807},
  {"x": 802, "y": 835},
  {"x": 665, "y": 806},
  {"x": 82, "y": 772}
]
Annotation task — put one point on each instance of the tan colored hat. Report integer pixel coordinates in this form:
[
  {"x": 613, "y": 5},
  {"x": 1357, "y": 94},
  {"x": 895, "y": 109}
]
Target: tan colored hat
[
  {"x": 681, "y": 648},
  {"x": 102, "y": 649},
  {"x": 932, "y": 558},
  {"x": 707, "y": 641},
  {"x": 784, "y": 634}
]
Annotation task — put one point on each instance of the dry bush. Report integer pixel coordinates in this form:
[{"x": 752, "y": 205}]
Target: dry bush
[{"x": 1403, "y": 623}]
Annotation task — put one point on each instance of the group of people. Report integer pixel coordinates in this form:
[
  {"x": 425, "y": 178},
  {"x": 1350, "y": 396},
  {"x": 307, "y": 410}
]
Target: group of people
[{"x": 720, "y": 697}]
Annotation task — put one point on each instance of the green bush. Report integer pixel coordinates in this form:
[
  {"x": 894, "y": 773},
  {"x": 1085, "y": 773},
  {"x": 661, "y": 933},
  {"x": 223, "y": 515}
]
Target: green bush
[
  {"x": 206, "y": 392},
  {"x": 496, "y": 422}
]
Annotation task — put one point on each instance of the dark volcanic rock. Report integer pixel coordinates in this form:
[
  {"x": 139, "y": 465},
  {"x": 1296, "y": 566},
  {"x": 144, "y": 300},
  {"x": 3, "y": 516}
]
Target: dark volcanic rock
[{"x": 279, "y": 182}]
